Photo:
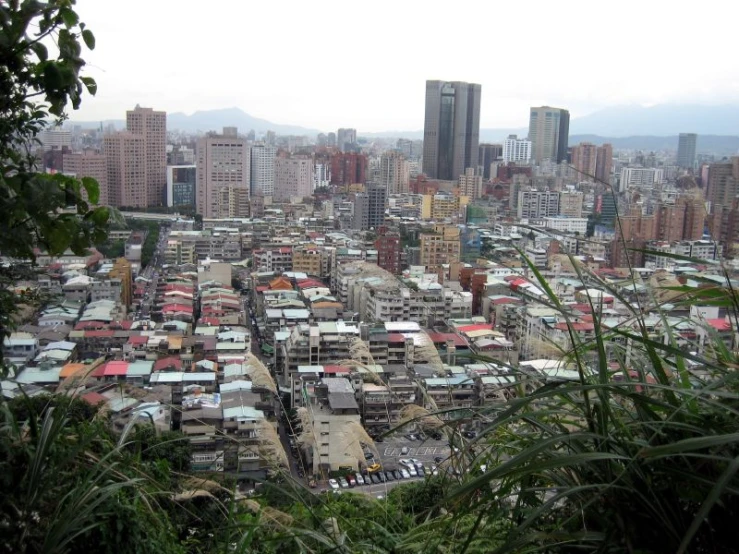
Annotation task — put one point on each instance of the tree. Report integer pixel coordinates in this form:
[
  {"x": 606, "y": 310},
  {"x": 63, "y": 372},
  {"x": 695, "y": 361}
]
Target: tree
[{"x": 40, "y": 211}]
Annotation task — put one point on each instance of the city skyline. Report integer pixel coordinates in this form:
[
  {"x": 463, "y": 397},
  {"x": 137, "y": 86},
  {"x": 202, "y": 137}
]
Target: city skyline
[{"x": 150, "y": 71}]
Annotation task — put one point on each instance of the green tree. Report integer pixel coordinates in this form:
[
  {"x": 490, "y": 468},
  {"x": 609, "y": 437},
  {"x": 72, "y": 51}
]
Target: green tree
[{"x": 39, "y": 211}]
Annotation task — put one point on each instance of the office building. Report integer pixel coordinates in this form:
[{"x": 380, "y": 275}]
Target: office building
[
  {"x": 516, "y": 150},
  {"x": 293, "y": 177},
  {"x": 181, "y": 181},
  {"x": 723, "y": 183},
  {"x": 222, "y": 175},
  {"x": 549, "y": 130},
  {"x": 152, "y": 126},
  {"x": 451, "y": 130},
  {"x": 263, "y": 169},
  {"x": 394, "y": 173},
  {"x": 88, "y": 163},
  {"x": 570, "y": 203},
  {"x": 488, "y": 154},
  {"x": 346, "y": 139},
  {"x": 442, "y": 246},
  {"x": 686, "y": 144}
]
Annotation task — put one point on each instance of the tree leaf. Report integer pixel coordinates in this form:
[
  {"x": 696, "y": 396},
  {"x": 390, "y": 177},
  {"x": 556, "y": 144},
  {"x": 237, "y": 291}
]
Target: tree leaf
[
  {"x": 89, "y": 39},
  {"x": 93, "y": 189}
]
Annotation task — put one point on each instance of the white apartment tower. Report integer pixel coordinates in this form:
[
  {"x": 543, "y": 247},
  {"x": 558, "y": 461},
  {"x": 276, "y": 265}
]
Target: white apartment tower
[
  {"x": 516, "y": 150},
  {"x": 222, "y": 175},
  {"x": 263, "y": 169}
]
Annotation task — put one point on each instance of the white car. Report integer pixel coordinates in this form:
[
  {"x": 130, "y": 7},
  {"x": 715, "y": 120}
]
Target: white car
[
  {"x": 334, "y": 484},
  {"x": 404, "y": 473},
  {"x": 359, "y": 479},
  {"x": 405, "y": 461}
]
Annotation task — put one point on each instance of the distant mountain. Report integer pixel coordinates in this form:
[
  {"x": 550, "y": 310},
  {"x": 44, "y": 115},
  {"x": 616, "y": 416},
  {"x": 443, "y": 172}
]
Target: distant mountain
[
  {"x": 720, "y": 145},
  {"x": 660, "y": 120},
  {"x": 215, "y": 120}
]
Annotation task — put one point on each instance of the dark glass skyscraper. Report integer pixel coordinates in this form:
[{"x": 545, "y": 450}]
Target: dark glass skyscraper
[{"x": 451, "y": 130}]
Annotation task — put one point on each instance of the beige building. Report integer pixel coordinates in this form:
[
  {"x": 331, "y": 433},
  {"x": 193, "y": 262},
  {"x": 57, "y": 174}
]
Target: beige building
[
  {"x": 584, "y": 160},
  {"x": 570, "y": 203},
  {"x": 470, "y": 185},
  {"x": 442, "y": 246},
  {"x": 222, "y": 175},
  {"x": 125, "y": 155},
  {"x": 310, "y": 259},
  {"x": 293, "y": 177},
  {"x": 548, "y": 132},
  {"x": 395, "y": 172},
  {"x": 137, "y": 160},
  {"x": 443, "y": 206},
  {"x": 88, "y": 163}
]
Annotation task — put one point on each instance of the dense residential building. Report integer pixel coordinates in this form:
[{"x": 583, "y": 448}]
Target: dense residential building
[
  {"x": 536, "y": 204},
  {"x": 470, "y": 184},
  {"x": 348, "y": 168},
  {"x": 152, "y": 126},
  {"x": 223, "y": 175},
  {"x": 440, "y": 246},
  {"x": 723, "y": 183},
  {"x": 181, "y": 182},
  {"x": 88, "y": 163},
  {"x": 389, "y": 251},
  {"x": 585, "y": 161},
  {"x": 394, "y": 173},
  {"x": 641, "y": 177},
  {"x": 516, "y": 150},
  {"x": 125, "y": 157},
  {"x": 489, "y": 154},
  {"x": 549, "y": 130},
  {"x": 686, "y": 145},
  {"x": 451, "y": 131},
  {"x": 263, "y": 169},
  {"x": 570, "y": 203},
  {"x": 604, "y": 163},
  {"x": 443, "y": 205},
  {"x": 293, "y": 177},
  {"x": 369, "y": 208}
]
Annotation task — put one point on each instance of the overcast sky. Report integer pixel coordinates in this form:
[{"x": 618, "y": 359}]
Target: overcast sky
[{"x": 326, "y": 64}]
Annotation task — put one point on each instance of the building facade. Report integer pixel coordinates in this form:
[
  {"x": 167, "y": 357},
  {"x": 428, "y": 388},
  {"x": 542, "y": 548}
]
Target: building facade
[
  {"x": 293, "y": 177},
  {"x": 686, "y": 144},
  {"x": 451, "y": 131},
  {"x": 263, "y": 169},
  {"x": 222, "y": 175},
  {"x": 516, "y": 150},
  {"x": 549, "y": 130}
]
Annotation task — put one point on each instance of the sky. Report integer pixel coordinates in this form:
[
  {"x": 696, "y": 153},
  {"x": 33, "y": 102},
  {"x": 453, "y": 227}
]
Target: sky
[{"x": 330, "y": 64}]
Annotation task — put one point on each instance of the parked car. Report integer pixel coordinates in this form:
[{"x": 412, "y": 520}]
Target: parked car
[
  {"x": 375, "y": 478},
  {"x": 420, "y": 471},
  {"x": 405, "y": 474},
  {"x": 438, "y": 459},
  {"x": 469, "y": 434},
  {"x": 404, "y": 451},
  {"x": 351, "y": 480},
  {"x": 333, "y": 483},
  {"x": 359, "y": 479},
  {"x": 343, "y": 483},
  {"x": 411, "y": 437},
  {"x": 374, "y": 467},
  {"x": 369, "y": 456},
  {"x": 405, "y": 461},
  {"x": 436, "y": 436},
  {"x": 389, "y": 476}
]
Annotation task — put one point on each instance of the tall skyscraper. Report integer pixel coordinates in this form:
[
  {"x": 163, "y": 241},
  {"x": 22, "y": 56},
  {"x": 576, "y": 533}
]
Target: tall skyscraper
[
  {"x": 152, "y": 126},
  {"x": 686, "y": 144},
  {"x": 222, "y": 175},
  {"x": 263, "y": 169},
  {"x": 451, "y": 130},
  {"x": 395, "y": 172},
  {"x": 293, "y": 177},
  {"x": 549, "y": 130},
  {"x": 369, "y": 208},
  {"x": 125, "y": 157},
  {"x": 488, "y": 153},
  {"x": 348, "y": 168},
  {"x": 346, "y": 139}
]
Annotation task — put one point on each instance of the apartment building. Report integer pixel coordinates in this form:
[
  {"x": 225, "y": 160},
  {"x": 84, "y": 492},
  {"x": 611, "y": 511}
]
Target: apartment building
[{"x": 440, "y": 246}]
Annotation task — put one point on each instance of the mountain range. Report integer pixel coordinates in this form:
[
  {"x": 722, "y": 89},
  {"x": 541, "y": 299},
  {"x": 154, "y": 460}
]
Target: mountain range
[{"x": 647, "y": 128}]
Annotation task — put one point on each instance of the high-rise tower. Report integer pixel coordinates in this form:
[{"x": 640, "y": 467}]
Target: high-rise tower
[
  {"x": 451, "y": 130},
  {"x": 222, "y": 175},
  {"x": 549, "y": 129},
  {"x": 686, "y": 144}
]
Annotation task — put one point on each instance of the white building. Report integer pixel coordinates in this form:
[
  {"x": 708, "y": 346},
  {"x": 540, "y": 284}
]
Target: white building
[
  {"x": 394, "y": 173},
  {"x": 263, "y": 169},
  {"x": 535, "y": 204},
  {"x": 321, "y": 175},
  {"x": 640, "y": 177},
  {"x": 516, "y": 149},
  {"x": 567, "y": 224}
]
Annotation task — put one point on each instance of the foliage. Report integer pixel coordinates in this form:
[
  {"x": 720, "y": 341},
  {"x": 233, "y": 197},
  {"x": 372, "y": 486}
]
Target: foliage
[
  {"x": 112, "y": 250},
  {"x": 41, "y": 211}
]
